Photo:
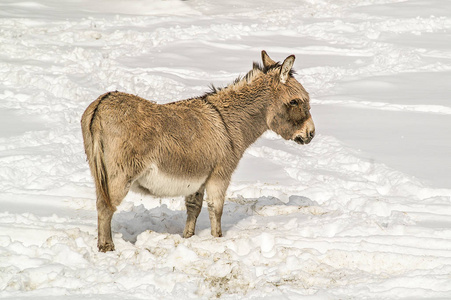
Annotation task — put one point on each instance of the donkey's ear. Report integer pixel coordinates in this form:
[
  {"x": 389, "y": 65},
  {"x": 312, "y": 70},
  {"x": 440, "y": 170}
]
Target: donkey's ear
[
  {"x": 267, "y": 61},
  {"x": 286, "y": 68}
]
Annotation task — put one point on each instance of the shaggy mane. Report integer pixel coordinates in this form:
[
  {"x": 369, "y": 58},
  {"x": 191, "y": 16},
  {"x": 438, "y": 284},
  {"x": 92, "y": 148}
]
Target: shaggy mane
[{"x": 256, "y": 68}]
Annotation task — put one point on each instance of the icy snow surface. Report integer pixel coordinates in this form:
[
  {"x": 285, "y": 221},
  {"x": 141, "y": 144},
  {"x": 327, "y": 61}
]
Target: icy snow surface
[{"x": 363, "y": 212}]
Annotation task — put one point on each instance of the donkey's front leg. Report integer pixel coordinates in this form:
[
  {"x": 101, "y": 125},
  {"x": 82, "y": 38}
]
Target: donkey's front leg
[
  {"x": 216, "y": 189},
  {"x": 193, "y": 207}
]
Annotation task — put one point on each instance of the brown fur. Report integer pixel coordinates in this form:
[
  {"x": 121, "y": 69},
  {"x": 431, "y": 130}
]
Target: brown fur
[{"x": 187, "y": 147}]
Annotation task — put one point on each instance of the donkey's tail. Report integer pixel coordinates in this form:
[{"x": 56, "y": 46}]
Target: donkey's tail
[{"x": 91, "y": 127}]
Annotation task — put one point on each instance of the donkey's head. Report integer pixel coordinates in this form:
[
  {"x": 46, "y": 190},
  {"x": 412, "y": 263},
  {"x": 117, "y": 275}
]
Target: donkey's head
[{"x": 289, "y": 112}]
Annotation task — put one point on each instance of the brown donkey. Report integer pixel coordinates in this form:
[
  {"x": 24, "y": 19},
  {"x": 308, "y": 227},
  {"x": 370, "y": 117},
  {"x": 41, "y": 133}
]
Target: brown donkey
[{"x": 187, "y": 147}]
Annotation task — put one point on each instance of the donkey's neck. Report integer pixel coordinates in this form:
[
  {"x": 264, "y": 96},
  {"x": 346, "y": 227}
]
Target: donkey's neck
[{"x": 243, "y": 110}]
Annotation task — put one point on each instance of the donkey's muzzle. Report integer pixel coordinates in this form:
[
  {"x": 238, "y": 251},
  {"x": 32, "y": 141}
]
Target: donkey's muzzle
[{"x": 306, "y": 134}]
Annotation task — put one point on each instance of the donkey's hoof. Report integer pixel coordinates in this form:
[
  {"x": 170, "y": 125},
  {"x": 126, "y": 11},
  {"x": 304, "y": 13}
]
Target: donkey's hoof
[
  {"x": 106, "y": 247},
  {"x": 187, "y": 235},
  {"x": 216, "y": 234}
]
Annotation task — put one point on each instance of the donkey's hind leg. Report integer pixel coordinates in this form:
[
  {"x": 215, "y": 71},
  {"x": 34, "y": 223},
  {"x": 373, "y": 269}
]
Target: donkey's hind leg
[
  {"x": 104, "y": 216},
  {"x": 193, "y": 206},
  {"x": 105, "y": 212}
]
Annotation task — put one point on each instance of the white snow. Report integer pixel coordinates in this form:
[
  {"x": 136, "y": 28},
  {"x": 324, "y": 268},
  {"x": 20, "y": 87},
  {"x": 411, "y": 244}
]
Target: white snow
[{"x": 362, "y": 212}]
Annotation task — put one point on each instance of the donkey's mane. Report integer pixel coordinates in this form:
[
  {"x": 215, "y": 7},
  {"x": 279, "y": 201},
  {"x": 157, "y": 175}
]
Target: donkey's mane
[{"x": 257, "y": 69}]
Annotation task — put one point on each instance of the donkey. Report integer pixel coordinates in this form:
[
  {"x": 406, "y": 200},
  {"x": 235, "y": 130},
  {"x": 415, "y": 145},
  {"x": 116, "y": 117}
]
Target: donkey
[{"x": 187, "y": 147}]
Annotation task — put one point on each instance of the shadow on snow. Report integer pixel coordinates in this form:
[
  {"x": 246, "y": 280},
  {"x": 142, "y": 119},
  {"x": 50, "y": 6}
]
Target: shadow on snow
[{"x": 164, "y": 220}]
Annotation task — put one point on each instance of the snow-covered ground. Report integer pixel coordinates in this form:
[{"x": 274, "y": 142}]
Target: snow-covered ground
[{"x": 363, "y": 212}]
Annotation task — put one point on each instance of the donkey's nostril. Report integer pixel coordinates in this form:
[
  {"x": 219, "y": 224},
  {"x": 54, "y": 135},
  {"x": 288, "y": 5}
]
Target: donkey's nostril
[{"x": 312, "y": 134}]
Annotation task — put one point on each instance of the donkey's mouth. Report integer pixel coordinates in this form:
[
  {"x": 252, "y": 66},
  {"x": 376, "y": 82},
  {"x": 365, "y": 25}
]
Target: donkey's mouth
[{"x": 300, "y": 140}]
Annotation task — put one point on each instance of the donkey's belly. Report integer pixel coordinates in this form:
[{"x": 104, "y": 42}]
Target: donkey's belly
[{"x": 160, "y": 184}]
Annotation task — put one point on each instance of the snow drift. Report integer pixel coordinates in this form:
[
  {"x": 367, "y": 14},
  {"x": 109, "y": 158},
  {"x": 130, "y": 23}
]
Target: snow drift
[{"x": 362, "y": 212}]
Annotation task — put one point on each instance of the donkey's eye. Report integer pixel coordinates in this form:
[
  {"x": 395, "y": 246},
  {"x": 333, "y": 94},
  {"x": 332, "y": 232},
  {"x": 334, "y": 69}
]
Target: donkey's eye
[{"x": 294, "y": 102}]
